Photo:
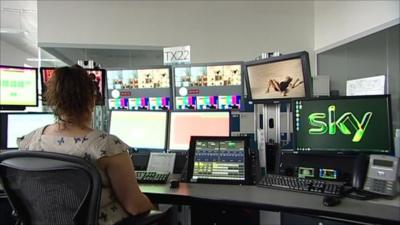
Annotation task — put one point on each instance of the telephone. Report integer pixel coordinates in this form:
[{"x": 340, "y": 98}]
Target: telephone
[{"x": 377, "y": 174}]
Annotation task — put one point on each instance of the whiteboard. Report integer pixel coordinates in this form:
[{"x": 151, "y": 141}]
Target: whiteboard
[{"x": 366, "y": 86}]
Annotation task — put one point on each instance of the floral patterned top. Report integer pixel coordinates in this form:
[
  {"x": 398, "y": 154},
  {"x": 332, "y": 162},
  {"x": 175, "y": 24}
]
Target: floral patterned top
[{"x": 93, "y": 146}]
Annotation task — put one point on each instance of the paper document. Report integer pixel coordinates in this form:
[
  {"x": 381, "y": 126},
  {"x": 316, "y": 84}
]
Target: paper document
[{"x": 162, "y": 162}]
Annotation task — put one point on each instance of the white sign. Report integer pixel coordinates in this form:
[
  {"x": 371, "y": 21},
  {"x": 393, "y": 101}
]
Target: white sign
[
  {"x": 366, "y": 86},
  {"x": 177, "y": 55}
]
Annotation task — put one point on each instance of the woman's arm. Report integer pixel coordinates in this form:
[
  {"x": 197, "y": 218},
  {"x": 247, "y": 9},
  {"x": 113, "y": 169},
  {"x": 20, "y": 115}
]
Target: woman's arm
[{"x": 121, "y": 173}]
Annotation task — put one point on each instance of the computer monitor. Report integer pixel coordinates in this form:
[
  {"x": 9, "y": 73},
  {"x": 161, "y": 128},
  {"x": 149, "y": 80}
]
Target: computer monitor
[
  {"x": 343, "y": 125},
  {"x": 19, "y": 87},
  {"x": 141, "y": 89},
  {"x": 183, "y": 125},
  {"x": 208, "y": 86},
  {"x": 140, "y": 129},
  {"x": 16, "y": 125},
  {"x": 219, "y": 160},
  {"x": 279, "y": 78},
  {"x": 99, "y": 76}
]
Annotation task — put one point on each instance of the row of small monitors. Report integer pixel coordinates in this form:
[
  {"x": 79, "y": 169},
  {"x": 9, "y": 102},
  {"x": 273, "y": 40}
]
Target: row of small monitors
[
  {"x": 138, "y": 129},
  {"x": 188, "y": 76},
  {"x": 186, "y": 102}
]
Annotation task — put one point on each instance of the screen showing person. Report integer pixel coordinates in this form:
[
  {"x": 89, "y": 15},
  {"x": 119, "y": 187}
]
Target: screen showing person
[
  {"x": 20, "y": 124},
  {"x": 198, "y": 76},
  {"x": 98, "y": 77},
  {"x": 161, "y": 78},
  {"x": 140, "y": 129},
  {"x": 232, "y": 75},
  {"x": 280, "y": 77},
  {"x": 343, "y": 125},
  {"x": 186, "y": 124},
  {"x": 215, "y": 75},
  {"x": 182, "y": 77},
  {"x": 19, "y": 86}
]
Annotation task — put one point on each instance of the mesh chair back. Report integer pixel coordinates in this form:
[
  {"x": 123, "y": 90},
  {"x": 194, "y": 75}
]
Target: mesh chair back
[{"x": 51, "y": 188}]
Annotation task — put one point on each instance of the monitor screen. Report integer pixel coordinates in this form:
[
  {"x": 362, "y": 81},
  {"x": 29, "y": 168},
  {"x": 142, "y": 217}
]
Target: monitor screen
[
  {"x": 98, "y": 76},
  {"x": 141, "y": 89},
  {"x": 19, "y": 86},
  {"x": 140, "y": 129},
  {"x": 218, "y": 159},
  {"x": 20, "y": 124},
  {"x": 279, "y": 78},
  {"x": 203, "y": 86},
  {"x": 343, "y": 125},
  {"x": 183, "y": 125}
]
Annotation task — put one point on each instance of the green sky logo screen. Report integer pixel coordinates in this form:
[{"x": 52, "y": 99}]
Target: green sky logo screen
[{"x": 347, "y": 124}]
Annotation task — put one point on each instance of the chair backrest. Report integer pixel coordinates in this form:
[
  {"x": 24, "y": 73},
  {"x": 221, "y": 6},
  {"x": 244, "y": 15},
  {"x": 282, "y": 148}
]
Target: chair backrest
[{"x": 51, "y": 188}]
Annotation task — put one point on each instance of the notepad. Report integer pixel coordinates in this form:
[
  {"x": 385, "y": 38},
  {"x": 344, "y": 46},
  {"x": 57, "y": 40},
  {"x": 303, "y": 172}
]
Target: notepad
[{"x": 162, "y": 162}]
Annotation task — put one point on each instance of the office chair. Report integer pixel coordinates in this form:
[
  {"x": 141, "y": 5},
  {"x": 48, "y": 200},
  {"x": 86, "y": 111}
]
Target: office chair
[{"x": 52, "y": 188}]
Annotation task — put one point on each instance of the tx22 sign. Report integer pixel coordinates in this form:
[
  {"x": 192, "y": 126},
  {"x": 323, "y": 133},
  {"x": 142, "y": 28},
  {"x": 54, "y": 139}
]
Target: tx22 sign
[{"x": 177, "y": 55}]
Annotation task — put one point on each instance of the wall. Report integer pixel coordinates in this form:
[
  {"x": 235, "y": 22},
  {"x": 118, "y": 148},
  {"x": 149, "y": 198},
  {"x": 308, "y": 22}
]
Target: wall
[
  {"x": 13, "y": 56},
  {"x": 217, "y": 31},
  {"x": 376, "y": 54},
  {"x": 337, "y": 21}
]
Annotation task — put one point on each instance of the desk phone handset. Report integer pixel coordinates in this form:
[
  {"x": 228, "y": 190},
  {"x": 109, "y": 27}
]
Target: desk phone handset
[{"x": 377, "y": 174}]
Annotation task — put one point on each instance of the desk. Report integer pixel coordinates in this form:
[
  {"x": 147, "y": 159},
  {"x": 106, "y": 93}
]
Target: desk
[{"x": 273, "y": 200}]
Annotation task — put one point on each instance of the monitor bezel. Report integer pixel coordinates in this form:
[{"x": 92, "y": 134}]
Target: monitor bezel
[
  {"x": 228, "y": 63},
  {"x": 192, "y": 111},
  {"x": 305, "y": 62},
  {"x": 346, "y": 152},
  {"x": 4, "y": 126},
  {"x": 100, "y": 102},
  {"x": 16, "y": 106},
  {"x": 247, "y": 160},
  {"x": 171, "y": 100},
  {"x": 144, "y": 111}
]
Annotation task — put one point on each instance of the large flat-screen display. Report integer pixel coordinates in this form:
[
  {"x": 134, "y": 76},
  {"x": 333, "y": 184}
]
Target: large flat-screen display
[
  {"x": 140, "y": 129},
  {"x": 19, "y": 86},
  {"x": 139, "y": 89},
  {"x": 279, "y": 78},
  {"x": 212, "y": 86},
  {"x": 98, "y": 76},
  {"x": 183, "y": 125},
  {"x": 16, "y": 125},
  {"x": 343, "y": 125}
]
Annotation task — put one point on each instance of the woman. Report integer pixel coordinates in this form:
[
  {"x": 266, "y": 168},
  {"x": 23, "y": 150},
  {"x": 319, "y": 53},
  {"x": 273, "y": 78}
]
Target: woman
[{"x": 71, "y": 94}]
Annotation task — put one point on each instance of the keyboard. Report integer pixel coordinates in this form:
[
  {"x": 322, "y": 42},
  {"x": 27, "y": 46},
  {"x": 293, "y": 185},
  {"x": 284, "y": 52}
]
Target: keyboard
[
  {"x": 152, "y": 177},
  {"x": 312, "y": 186}
]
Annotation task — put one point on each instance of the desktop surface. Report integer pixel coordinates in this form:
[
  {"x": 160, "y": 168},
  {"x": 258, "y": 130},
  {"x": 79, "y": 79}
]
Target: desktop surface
[{"x": 274, "y": 200}]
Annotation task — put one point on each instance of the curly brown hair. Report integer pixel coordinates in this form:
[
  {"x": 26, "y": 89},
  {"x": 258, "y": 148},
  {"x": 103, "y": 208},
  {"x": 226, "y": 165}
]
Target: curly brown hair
[{"x": 71, "y": 94}]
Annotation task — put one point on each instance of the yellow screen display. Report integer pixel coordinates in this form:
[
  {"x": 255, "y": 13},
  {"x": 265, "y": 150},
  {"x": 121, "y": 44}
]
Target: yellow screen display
[{"x": 18, "y": 86}]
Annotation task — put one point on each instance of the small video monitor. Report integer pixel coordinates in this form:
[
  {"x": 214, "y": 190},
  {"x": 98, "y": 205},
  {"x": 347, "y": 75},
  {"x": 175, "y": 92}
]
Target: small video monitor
[
  {"x": 207, "y": 102},
  {"x": 219, "y": 160},
  {"x": 138, "y": 103},
  {"x": 184, "y": 124},
  {"x": 186, "y": 102},
  {"x": 279, "y": 78},
  {"x": 140, "y": 129},
  {"x": 343, "y": 125},
  {"x": 229, "y": 102},
  {"x": 98, "y": 76},
  {"x": 19, "y": 87},
  {"x": 16, "y": 125}
]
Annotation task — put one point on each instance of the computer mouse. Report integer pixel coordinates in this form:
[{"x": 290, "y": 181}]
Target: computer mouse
[
  {"x": 174, "y": 184},
  {"x": 331, "y": 201}
]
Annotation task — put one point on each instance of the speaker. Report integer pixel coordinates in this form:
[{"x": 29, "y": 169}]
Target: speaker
[{"x": 272, "y": 157}]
